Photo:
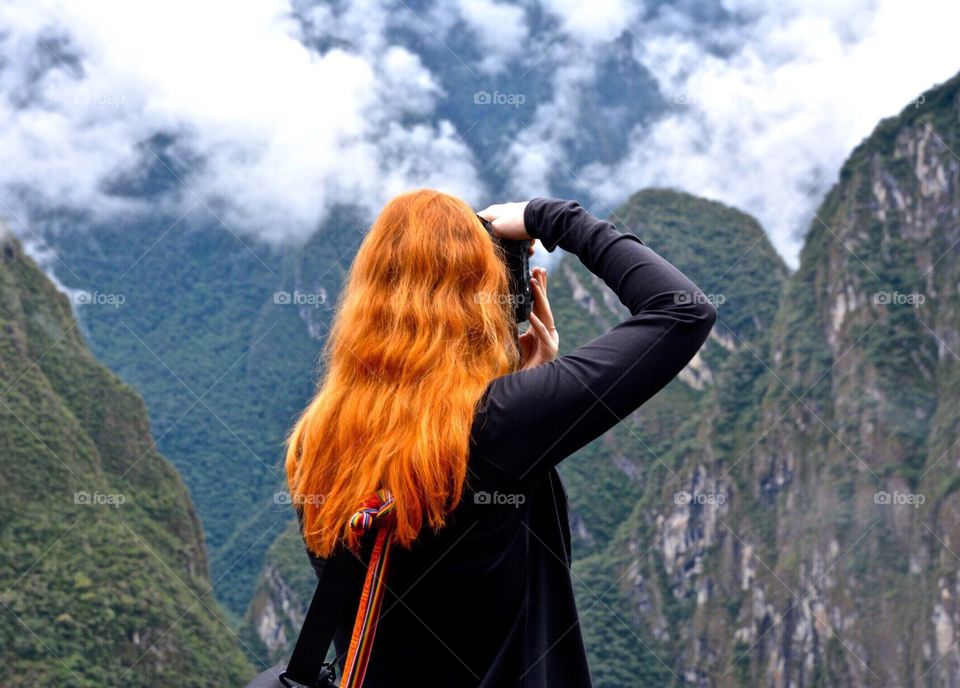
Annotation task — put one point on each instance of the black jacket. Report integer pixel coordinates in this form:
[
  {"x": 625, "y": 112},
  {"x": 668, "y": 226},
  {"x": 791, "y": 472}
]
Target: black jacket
[{"x": 488, "y": 601}]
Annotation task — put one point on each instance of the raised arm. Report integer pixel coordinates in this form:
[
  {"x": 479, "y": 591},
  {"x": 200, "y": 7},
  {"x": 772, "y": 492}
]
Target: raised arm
[{"x": 532, "y": 419}]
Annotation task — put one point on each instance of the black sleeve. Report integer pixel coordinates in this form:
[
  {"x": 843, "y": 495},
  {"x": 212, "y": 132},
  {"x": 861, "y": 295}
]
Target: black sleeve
[{"x": 530, "y": 420}]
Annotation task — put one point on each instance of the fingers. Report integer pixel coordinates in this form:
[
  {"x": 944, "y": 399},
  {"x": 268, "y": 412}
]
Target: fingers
[
  {"x": 541, "y": 304},
  {"x": 541, "y": 330}
]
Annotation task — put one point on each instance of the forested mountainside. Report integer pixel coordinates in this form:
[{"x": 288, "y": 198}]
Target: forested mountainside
[
  {"x": 224, "y": 365},
  {"x": 728, "y": 256},
  {"x": 221, "y": 335},
  {"x": 104, "y": 579},
  {"x": 822, "y": 550},
  {"x": 782, "y": 514}
]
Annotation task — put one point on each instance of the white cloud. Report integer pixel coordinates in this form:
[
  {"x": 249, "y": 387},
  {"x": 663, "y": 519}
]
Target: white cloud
[
  {"x": 501, "y": 29},
  {"x": 767, "y": 126},
  {"x": 280, "y": 130},
  {"x": 595, "y": 21},
  {"x": 281, "y": 108}
]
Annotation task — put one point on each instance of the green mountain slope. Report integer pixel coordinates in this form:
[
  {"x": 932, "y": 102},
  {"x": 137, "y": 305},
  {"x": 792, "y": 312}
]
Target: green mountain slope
[
  {"x": 830, "y": 561},
  {"x": 728, "y": 534},
  {"x": 221, "y": 335},
  {"x": 865, "y": 341},
  {"x": 704, "y": 239},
  {"x": 729, "y": 257},
  {"x": 104, "y": 579}
]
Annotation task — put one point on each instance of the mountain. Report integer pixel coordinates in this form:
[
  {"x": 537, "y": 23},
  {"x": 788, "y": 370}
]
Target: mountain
[
  {"x": 221, "y": 335},
  {"x": 103, "y": 570},
  {"x": 821, "y": 550},
  {"x": 727, "y": 254},
  {"x": 222, "y": 366},
  {"x": 784, "y": 513}
]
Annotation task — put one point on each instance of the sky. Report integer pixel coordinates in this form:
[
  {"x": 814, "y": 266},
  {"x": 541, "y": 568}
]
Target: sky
[{"x": 277, "y": 110}]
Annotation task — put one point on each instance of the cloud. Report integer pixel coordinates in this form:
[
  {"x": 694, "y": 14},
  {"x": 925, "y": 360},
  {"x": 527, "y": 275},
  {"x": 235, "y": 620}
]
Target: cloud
[
  {"x": 596, "y": 21},
  {"x": 502, "y": 31},
  {"x": 536, "y": 154},
  {"x": 763, "y": 107},
  {"x": 271, "y": 114}
]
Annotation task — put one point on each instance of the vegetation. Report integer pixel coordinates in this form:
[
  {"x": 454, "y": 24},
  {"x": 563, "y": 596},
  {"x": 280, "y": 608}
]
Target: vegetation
[
  {"x": 103, "y": 570},
  {"x": 810, "y": 397}
]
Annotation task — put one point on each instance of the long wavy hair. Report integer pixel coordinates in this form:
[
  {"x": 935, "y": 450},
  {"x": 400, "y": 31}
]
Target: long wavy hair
[{"x": 423, "y": 325}]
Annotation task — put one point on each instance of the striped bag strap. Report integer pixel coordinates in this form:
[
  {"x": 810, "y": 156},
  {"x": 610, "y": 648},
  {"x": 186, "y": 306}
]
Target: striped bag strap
[{"x": 376, "y": 511}]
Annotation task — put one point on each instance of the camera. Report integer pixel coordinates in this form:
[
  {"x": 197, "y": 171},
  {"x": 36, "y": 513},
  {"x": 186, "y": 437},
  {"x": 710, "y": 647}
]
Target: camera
[{"x": 515, "y": 254}]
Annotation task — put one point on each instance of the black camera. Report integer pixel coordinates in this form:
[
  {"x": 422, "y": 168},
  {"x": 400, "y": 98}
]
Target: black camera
[{"x": 515, "y": 253}]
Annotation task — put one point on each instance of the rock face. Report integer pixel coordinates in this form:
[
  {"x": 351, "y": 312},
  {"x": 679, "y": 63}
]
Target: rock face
[
  {"x": 280, "y": 602},
  {"x": 640, "y": 590},
  {"x": 103, "y": 566},
  {"x": 822, "y": 550}
]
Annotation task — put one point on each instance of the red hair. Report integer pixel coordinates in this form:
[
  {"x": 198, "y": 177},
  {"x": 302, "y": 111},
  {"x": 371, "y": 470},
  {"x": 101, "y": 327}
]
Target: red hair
[{"x": 422, "y": 326}]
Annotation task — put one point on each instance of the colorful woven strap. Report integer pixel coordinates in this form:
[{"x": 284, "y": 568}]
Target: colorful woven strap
[{"x": 377, "y": 510}]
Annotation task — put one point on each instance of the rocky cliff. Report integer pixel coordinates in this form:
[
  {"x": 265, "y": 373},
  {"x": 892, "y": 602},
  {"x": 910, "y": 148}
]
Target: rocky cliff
[{"x": 818, "y": 547}]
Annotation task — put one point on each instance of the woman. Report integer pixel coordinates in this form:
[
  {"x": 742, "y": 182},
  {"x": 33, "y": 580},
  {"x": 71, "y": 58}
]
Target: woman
[{"x": 430, "y": 394}]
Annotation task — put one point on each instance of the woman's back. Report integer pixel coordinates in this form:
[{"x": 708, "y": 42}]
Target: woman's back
[
  {"x": 453, "y": 599},
  {"x": 488, "y": 600}
]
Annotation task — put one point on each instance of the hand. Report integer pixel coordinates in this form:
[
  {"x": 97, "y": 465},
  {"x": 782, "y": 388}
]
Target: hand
[
  {"x": 541, "y": 342},
  {"x": 507, "y": 220}
]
